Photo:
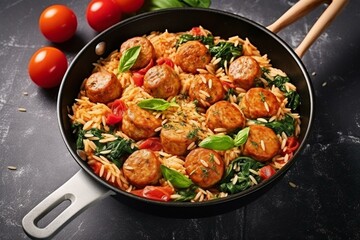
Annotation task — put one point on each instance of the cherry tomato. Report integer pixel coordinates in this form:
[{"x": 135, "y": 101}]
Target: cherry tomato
[
  {"x": 152, "y": 143},
  {"x": 118, "y": 108},
  {"x": 155, "y": 193},
  {"x": 266, "y": 172},
  {"x": 138, "y": 79},
  {"x": 166, "y": 61},
  {"x": 47, "y": 67},
  {"x": 291, "y": 145},
  {"x": 130, "y": 6},
  {"x": 58, "y": 23},
  {"x": 102, "y": 14}
]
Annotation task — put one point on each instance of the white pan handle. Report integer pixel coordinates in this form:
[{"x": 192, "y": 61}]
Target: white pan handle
[
  {"x": 81, "y": 190},
  {"x": 302, "y": 8}
]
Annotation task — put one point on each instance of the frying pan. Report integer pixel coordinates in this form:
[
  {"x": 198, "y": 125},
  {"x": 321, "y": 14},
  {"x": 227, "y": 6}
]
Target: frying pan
[{"x": 86, "y": 188}]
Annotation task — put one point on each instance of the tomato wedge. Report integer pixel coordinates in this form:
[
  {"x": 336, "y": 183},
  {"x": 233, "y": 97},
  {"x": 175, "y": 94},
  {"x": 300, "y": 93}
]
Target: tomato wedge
[
  {"x": 266, "y": 172},
  {"x": 155, "y": 193},
  {"x": 166, "y": 61},
  {"x": 145, "y": 69},
  {"x": 291, "y": 145},
  {"x": 118, "y": 108},
  {"x": 138, "y": 79},
  {"x": 152, "y": 143}
]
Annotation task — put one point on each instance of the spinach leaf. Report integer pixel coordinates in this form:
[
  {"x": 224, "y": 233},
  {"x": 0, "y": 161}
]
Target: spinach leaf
[
  {"x": 120, "y": 149},
  {"x": 225, "y": 51},
  {"x": 293, "y": 96},
  {"x": 156, "y": 104},
  {"x": 241, "y": 168},
  {"x": 177, "y": 179},
  {"x": 286, "y": 125},
  {"x": 79, "y": 133},
  {"x": 186, "y": 194},
  {"x": 217, "y": 142},
  {"x": 207, "y": 40},
  {"x": 128, "y": 59}
]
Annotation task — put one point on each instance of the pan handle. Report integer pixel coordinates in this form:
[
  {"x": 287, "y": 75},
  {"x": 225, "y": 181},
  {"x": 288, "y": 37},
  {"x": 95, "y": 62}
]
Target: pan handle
[
  {"x": 302, "y": 8},
  {"x": 81, "y": 190}
]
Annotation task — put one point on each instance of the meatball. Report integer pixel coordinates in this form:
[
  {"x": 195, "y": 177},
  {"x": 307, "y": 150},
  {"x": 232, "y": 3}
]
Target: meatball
[
  {"x": 262, "y": 143},
  {"x": 206, "y": 92},
  {"x": 224, "y": 115},
  {"x": 139, "y": 123},
  {"x": 191, "y": 56},
  {"x": 259, "y": 102},
  {"x": 161, "y": 81},
  {"x": 176, "y": 137},
  {"x": 147, "y": 52},
  {"x": 142, "y": 168},
  {"x": 102, "y": 87},
  {"x": 243, "y": 71},
  {"x": 205, "y": 167}
]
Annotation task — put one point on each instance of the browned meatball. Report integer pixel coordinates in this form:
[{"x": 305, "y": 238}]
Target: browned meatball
[
  {"x": 262, "y": 143},
  {"x": 139, "y": 123},
  {"x": 147, "y": 52},
  {"x": 142, "y": 168},
  {"x": 244, "y": 70},
  {"x": 191, "y": 56},
  {"x": 205, "y": 167},
  {"x": 161, "y": 81},
  {"x": 102, "y": 87},
  {"x": 224, "y": 115},
  {"x": 259, "y": 102},
  {"x": 176, "y": 137},
  {"x": 206, "y": 93}
]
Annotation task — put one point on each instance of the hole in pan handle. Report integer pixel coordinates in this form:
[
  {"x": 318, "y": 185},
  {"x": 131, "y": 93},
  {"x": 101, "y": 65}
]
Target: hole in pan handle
[
  {"x": 81, "y": 190},
  {"x": 302, "y": 8}
]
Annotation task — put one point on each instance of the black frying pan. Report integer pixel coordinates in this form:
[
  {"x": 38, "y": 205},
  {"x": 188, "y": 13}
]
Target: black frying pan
[{"x": 86, "y": 187}]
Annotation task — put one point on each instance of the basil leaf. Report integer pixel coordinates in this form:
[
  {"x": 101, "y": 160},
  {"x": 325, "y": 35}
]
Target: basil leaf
[
  {"x": 175, "y": 178},
  {"x": 128, "y": 59},
  {"x": 217, "y": 142},
  {"x": 197, "y": 3},
  {"x": 241, "y": 137},
  {"x": 160, "y": 4},
  {"x": 156, "y": 104}
]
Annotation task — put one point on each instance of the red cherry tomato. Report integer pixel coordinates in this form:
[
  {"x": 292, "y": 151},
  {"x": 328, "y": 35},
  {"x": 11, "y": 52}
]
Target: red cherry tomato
[
  {"x": 155, "y": 193},
  {"x": 152, "y": 143},
  {"x": 47, "y": 67},
  {"x": 118, "y": 108},
  {"x": 291, "y": 145},
  {"x": 102, "y": 14},
  {"x": 58, "y": 23},
  {"x": 138, "y": 79},
  {"x": 130, "y": 6},
  {"x": 166, "y": 61},
  {"x": 266, "y": 172}
]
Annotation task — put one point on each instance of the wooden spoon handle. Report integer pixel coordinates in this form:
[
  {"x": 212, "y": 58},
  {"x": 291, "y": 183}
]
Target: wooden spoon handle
[{"x": 302, "y": 8}]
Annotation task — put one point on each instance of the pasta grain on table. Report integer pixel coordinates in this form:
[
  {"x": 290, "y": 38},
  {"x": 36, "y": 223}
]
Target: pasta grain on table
[{"x": 213, "y": 113}]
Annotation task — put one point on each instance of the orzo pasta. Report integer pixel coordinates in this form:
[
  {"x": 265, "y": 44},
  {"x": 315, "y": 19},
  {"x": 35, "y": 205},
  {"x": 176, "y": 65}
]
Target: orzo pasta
[{"x": 186, "y": 116}]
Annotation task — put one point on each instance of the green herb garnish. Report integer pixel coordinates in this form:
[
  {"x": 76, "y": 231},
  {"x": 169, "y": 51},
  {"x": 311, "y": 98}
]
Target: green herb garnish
[
  {"x": 128, "y": 59},
  {"x": 225, "y": 142},
  {"x": 177, "y": 179},
  {"x": 241, "y": 137},
  {"x": 157, "y": 104},
  {"x": 217, "y": 142}
]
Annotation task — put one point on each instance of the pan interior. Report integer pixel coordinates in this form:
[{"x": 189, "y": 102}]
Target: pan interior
[{"x": 176, "y": 20}]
